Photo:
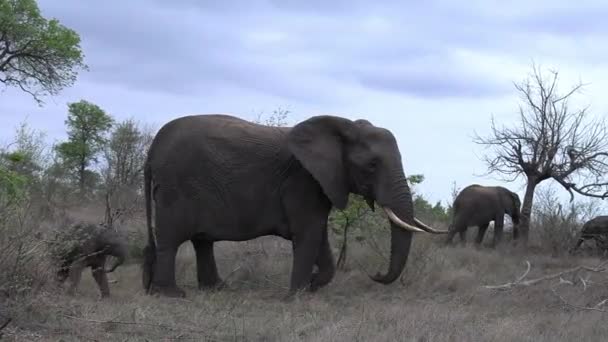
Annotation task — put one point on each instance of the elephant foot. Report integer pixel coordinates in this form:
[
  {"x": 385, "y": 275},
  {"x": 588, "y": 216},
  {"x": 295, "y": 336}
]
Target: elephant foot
[
  {"x": 167, "y": 291},
  {"x": 319, "y": 280},
  {"x": 212, "y": 286},
  {"x": 292, "y": 295}
]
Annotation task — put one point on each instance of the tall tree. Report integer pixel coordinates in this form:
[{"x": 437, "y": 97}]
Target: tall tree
[
  {"x": 37, "y": 55},
  {"x": 88, "y": 126},
  {"x": 551, "y": 141}
]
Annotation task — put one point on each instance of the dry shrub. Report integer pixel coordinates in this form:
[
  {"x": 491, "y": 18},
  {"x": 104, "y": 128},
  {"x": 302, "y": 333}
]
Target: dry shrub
[
  {"x": 439, "y": 298},
  {"x": 556, "y": 227},
  {"x": 23, "y": 262}
]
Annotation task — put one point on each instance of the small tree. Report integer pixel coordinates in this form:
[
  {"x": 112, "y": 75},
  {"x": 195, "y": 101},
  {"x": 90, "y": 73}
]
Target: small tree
[
  {"x": 278, "y": 118},
  {"x": 125, "y": 155},
  {"x": 37, "y": 55},
  {"x": 551, "y": 141},
  {"x": 87, "y": 125}
]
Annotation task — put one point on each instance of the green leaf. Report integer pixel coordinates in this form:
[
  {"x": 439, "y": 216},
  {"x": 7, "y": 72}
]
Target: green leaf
[{"x": 39, "y": 56}]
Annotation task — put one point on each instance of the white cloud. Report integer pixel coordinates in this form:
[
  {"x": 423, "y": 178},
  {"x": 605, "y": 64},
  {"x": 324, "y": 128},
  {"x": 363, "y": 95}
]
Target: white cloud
[{"x": 432, "y": 72}]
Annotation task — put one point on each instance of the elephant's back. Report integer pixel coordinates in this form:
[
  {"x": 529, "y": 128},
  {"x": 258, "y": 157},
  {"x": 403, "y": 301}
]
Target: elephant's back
[
  {"x": 221, "y": 138},
  {"x": 207, "y": 155},
  {"x": 597, "y": 225},
  {"x": 474, "y": 199}
]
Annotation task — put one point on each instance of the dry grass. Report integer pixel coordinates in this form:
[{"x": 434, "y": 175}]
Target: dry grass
[{"x": 440, "y": 298}]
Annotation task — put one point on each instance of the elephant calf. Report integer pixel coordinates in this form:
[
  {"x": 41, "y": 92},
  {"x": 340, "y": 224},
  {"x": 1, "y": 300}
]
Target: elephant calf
[
  {"x": 85, "y": 245},
  {"x": 595, "y": 229},
  {"x": 478, "y": 205}
]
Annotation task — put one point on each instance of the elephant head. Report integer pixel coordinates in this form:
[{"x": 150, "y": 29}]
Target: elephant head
[
  {"x": 116, "y": 247},
  {"x": 347, "y": 156},
  {"x": 514, "y": 206}
]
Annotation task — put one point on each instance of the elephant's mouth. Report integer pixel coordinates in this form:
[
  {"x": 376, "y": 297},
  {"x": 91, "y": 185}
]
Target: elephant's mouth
[{"x": 424, "y": 228}]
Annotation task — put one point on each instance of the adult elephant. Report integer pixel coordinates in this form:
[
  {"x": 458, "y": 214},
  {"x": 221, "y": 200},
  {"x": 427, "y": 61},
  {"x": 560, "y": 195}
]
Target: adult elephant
[
  {"x": 478, "y": 205},
  {"x": 595, "y": 229},
  {"x": 220, "y": 178}
]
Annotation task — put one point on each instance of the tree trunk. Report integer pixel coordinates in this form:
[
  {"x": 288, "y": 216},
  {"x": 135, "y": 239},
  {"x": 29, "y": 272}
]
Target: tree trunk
[
  {"x": 81, "y": 179},
  {"x": 526, "y": 211}
]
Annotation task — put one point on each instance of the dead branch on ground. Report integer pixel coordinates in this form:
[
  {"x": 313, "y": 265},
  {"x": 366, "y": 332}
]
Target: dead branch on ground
[
  {"x": 565, "y": 303},
  {"x": 520, "y": 281}
]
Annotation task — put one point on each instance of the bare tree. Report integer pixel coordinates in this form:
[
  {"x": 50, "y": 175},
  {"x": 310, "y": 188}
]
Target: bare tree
[
  {"x": 551, "y": 141},
  {"x": 125, "y": 156}
]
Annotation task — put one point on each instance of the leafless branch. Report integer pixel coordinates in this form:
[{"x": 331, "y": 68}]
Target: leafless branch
[
  {"x": 520, "y": 281},
  {"x": 597, "y": 307},
  {"x": 551, "y": 140}
]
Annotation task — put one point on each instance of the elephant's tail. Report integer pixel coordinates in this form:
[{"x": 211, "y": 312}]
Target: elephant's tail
[{"x": 149, "y": 252}]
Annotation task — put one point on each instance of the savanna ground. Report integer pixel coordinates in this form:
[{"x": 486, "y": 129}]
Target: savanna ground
[{"x": 440, "y": 297}]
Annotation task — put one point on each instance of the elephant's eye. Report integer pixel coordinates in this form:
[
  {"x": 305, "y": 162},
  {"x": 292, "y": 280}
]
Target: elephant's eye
[{"x": 371, "y": 166}]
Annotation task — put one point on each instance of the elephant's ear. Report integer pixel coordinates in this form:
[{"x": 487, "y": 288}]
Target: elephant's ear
[{"x": 318, "y": 143}]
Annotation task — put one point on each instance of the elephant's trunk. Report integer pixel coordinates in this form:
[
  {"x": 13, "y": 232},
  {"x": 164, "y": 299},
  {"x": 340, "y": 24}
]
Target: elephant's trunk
[
  {"x": 402, "y": 207},
  {"x": 119, "y": 261},
  {"x": 120, "y": 253}
]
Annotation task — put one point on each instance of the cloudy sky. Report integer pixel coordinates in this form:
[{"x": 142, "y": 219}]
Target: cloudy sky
[{"x": 433, "y": 72}]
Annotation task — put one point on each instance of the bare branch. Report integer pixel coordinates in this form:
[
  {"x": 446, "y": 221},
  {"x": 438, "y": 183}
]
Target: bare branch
[
  {"x": 597, "y": 307},
  {"x": 552, "y": 140},
  {"x": 520, "y": 281}
]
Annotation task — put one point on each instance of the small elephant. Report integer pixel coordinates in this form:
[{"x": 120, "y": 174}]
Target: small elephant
[
  {"x": 478, "y": 205},
  {"x": 595, "y": 229},
  {"x": 215, "y": 178},
  {"x": 84, "y": 245}
]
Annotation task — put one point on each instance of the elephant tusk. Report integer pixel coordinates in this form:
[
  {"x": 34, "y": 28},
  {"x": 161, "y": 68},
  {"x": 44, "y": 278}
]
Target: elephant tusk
[
  {"x": 396, "y": 220},
  {"x": 428, "y": 228}
]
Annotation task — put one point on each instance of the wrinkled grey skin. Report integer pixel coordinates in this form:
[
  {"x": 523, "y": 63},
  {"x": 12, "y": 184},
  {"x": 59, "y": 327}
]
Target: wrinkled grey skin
[
  {"x": 595, "y": 229},
  {"x": 478, "y": 205},
  {"x": 85, "y": 245},
  {"x": 215, "y": 178}
]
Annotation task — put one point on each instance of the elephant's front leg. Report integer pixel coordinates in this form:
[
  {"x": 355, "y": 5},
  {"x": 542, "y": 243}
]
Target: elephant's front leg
[
  {"x": 101, "y": 278},
  {"x": 206, "y": 267},
  {"x": 498, "y": 228},
  {"x": 577, "y": 245},
  {"x": 306, "y": 246},
  {"x": 325, "y": 263},
  {"x": 451, "y": 233},
  {"x": 463, "y": 236}
]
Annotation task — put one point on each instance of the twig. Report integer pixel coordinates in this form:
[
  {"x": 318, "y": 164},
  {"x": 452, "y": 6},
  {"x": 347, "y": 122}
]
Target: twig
[
  {"x": 163, "y": 326},
  {"x": 578, "y": 307},
  {"x": 521, "y": 282},
  {"x": 600, "y": 304}
]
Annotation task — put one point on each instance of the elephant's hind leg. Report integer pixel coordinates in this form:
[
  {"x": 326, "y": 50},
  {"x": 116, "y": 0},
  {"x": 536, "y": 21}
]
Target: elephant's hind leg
[
  {"x": 75, "y": 274},
  {"x": 325, "y": 262},
  {"x": 206, "y": 267},
  {"x": 481, "y": 232},
  {"x": 163, "y": 281}
]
